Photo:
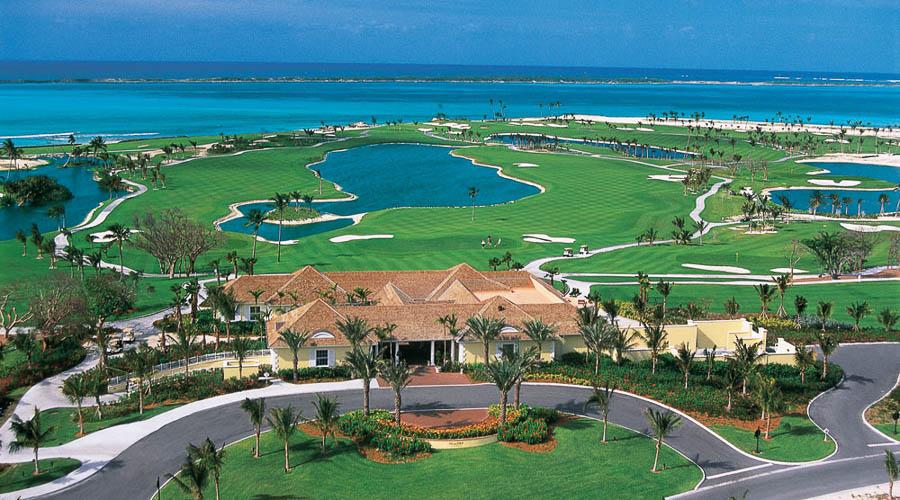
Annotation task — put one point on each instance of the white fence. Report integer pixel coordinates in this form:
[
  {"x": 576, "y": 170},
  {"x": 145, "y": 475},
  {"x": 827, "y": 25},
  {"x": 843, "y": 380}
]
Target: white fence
[{"x": 191, "y": 361}]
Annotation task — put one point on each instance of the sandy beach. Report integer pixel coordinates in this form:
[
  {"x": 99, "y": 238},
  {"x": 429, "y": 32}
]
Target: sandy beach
[
  {"x": 867, "y": 159},
  {"x": 22, "y": 164},
  {"x": 740, "y": 126}
]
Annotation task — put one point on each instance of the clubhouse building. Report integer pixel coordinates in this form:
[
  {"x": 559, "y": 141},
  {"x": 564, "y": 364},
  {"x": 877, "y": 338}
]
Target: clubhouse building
[{"x": 405, "y": 308}]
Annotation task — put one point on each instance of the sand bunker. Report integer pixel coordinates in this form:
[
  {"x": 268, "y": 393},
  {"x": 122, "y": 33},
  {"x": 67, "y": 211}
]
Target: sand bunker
[
  {"x": 787, "y": 270},
  {"x": 819, "y": 172},
  {"x": 525, "y": 165},
  {"x": 829, "y": 182},
  {"x": 667, "y": 177},
  {"x": 353, "y": 237},
  {"x": 863, "y": 228},
  {"x": 543, "y": 238},
  {"x": 425, "y": 129},
  {"x": 724, "y": 269},
  {"x": 644, "y": 129},
  {"x": 557, "y": 125}
]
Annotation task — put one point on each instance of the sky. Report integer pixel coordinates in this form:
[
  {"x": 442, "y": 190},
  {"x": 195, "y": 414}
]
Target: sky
[{"x": 803, "y": 35}]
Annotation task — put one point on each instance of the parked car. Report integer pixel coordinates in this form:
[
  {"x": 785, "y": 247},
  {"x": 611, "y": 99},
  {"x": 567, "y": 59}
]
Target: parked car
[{"x": 127, "y": 335}]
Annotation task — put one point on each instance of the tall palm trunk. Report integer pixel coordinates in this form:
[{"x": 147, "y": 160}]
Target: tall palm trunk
[
  {"x": 366, "y": 384},
  {"x": 656, "y": 458},
  {"x": 516, "y": 394},
  {"x": 397, "y": 402},
  {"x": 605, "y": 423},
  {"x": 287, "y": 457},
  {"x": 487, "y": 359},
  {"x": 503, "y": 397},
  {"x": 37, "y": 469},
  {"x": 256, "y": 449}
]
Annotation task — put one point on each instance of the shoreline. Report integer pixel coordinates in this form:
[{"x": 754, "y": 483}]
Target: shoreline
[{"x": 539, "y": 80}]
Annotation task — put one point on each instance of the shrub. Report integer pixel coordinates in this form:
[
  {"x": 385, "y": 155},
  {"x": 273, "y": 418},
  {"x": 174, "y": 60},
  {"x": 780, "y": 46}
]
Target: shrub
[
  {"x": 316, "y": 373},
  {"x": 399, "y": 446},
  {"x": 529, "y": 430}
]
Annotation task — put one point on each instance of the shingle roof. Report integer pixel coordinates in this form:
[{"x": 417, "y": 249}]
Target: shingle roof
[{"x": 460, "y": 283}]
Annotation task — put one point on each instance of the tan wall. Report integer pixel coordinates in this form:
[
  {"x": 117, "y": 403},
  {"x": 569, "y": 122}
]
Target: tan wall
[
  {"x": 782, "y": 359},
  {"x": 570, "y": 343},
  {"x": 474, "y": 351},
  {"x": 285, "y": 358}
]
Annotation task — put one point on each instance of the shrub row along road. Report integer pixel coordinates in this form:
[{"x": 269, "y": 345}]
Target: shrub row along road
[{"x": 871, "y": 372}]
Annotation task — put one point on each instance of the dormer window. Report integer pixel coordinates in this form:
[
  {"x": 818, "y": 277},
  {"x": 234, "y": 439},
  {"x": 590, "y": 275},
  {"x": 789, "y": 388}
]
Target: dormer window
[{"x": 322, "y": 335}]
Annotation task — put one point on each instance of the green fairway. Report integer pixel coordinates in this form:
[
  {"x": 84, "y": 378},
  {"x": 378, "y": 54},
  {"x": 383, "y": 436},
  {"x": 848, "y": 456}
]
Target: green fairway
[
  {"x": 579, "y": 467},
  {"x": 579, "y": 191},
  {"x": 726, "y": 246},
  {"x": 20, "y": 476},
  {"x": 65, "y": 422},
  {"x": 880, "y": 295},
  {"x": 796, "y": 439}
]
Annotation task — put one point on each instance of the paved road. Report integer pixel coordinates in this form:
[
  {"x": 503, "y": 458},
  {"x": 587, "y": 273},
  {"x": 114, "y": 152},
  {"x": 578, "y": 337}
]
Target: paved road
[
  {"x": 872, "y": 371},
  {"x": 133, "y": 473}
]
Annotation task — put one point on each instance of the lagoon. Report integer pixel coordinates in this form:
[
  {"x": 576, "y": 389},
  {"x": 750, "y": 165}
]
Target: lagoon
[
  {"x": 871, "y": 205},
  {"x": 391, "y": 176},
  {"x": 87, "y": 195}
]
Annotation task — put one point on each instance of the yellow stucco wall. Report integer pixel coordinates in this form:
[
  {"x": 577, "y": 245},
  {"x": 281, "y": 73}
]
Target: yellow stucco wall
[
  {"x": 474, "y": 351},
  {"x": 285, "y": 358}
]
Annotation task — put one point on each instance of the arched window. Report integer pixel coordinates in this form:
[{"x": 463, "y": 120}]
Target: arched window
[{"x": 322, "y": 335}]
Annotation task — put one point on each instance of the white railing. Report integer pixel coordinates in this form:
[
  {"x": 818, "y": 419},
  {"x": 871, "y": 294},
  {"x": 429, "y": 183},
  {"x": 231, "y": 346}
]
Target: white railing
[{"x": 171, "y": 365}]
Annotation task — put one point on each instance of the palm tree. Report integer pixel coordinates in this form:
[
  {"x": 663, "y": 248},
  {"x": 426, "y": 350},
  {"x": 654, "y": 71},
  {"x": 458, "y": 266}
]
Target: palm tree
[
  {"x": 364, "y": 365},
  {"x": 710, "y": 356},
  {"x": 823, "y": 311},
  {"x": 354, "y": 329},
  {"x": 601, "y": 399},
  {"x": 240, "y": 346},
  {"x": 256, "y": 411},
  {"x": 684, "y": 359},
  {"x": 255, "y": 219},
  {"x": 800, "y": 304},
  {"x": 596, "y": 335},
  {"x": 192, "y": 478},
  {"x": 485, "y": 330},
  {"x": 765, "y": 293},
  {"x": 803, "y": 358},
  {"x": 398, "y": 376},
  {"x": 326, "y": 417},
  {"x": 857, "y": 311},
  {"x": 526, "y": 360},
  {"x": 539, "y": 332},
  {"x": 888, "y": 318},
  {"x": 23, "y": 239},
  {"x": 281, "y": 202},
  {"x": 747, "y": 357},
  {"x": 295, "y": 342},
  {"x": 504, "y": 375},
  {"x": 76, "y": 388},
  {"x": 782, "y": 283},
  {"x": 662, "y": 424},
  {"x": 210, "y": 458},
  {"x": 882, "y": 199},
  {"x": 225, "y": 304},
  {"x": 142, "y": 364},
  {"x": 890, "y": 464},
  {"x": 828, "y": 344},
  {"x": 473, "y": 194},
  {"x": 120, "y": 234},
  {"x": 58, "y": 212},
  {"x": 284, "y": 422},
  {"x": 664, "y": 288},
  {"x": 655, "y": 337},
  {"x": 729, "y": 378},
  {"x": 769, "y": 398},
  {"x": 183, "y": 341},
  {"x": 30, "y": 434}
]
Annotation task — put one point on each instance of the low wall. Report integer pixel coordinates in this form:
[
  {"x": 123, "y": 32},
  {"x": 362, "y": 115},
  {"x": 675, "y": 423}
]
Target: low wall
[{"x": 458, "y": 444}]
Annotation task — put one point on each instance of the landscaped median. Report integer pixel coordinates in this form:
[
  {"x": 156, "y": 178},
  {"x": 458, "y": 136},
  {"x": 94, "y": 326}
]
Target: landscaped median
[
  {"x": 884, "y": 415},
  {"x": 715, "y": 398},
  {"x": 578, "y": 466},
  {"x": 14, "y": 477}
]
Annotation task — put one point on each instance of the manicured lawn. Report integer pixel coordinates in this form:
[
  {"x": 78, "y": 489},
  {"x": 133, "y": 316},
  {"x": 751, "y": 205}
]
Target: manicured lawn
[
  {"x": 19, "y": 476},
  {"x": 579, "y": 467},
  {"x": 758, "y": 253},
  {"x": 65, "y": 422},
  {"x": 888, "y": 430},
  {"x": 879, "y": 294},
  {"x": 581, "y": 192},
  {"x": 796, "y": 439}
]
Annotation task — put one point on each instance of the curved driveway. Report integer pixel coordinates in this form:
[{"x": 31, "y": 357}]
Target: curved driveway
[{"x": 871, "y": 372}]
